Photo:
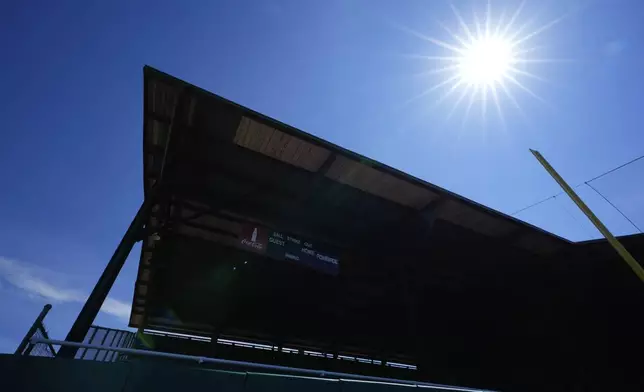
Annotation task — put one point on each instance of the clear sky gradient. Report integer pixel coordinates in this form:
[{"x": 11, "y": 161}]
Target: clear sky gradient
[{"x": 344, "y": 70}]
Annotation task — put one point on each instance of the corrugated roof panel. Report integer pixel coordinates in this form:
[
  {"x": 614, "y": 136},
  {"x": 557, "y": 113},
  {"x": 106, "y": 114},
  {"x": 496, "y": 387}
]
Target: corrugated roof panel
[
  {"x": 279, "y": 145},
  {"x": 376, "y": 182}
]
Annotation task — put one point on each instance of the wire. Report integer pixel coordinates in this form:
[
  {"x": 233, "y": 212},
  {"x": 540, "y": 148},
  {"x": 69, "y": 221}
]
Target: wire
[
  {"x": 612, "y": 170},
  {"x": 535, "y": 204},
  {"x": 583, "y": 227},
  {"x": 614, "y": 206},
  {"x": 584, "y": 183}
]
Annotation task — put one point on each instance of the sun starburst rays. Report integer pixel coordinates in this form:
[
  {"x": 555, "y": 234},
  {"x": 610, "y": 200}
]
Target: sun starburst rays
[{"x": 484, "y": 60}]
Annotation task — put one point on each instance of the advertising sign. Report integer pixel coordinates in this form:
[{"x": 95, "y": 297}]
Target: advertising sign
[{"x": 282, "y": 246}]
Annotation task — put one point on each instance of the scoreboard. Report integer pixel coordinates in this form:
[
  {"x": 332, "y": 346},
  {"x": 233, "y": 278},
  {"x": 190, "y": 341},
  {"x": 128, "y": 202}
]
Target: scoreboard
[{"x": 282, "y": 246}]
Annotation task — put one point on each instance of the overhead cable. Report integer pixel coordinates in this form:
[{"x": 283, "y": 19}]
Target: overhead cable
[
  {"x": 613, "y": 205},
  {"x": 612, "y": 170},
  {"x": 577, "y": 221},
  {"x": 585, "y": 183},
  {"x": 535, "y": 204}
]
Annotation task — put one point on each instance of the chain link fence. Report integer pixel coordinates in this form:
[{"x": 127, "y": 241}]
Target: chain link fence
[{"x": 37, "y": 330}]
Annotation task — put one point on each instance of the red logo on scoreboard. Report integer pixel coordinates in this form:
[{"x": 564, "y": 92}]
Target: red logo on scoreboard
[{"x": 254, "y": 237}]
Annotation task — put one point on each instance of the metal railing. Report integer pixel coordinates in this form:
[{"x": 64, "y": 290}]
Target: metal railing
[
  {"x": 115, "y": 345},
  {"x": 295, "y": 349},
  {"x": 251, "y": 365},
  {"x": 108, "y": 338},
  {"x": 36, "y": 342}
]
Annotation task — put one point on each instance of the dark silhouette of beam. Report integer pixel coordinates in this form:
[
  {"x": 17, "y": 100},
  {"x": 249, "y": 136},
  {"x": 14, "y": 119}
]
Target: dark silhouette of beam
[{"x": 95, "y": 300}]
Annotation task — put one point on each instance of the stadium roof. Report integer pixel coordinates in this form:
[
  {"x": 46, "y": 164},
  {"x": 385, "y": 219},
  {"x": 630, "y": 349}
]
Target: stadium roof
[{"x": 216, "y": 155}]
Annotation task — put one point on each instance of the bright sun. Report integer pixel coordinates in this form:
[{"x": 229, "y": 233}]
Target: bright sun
[{"x": 484, "y": 59}]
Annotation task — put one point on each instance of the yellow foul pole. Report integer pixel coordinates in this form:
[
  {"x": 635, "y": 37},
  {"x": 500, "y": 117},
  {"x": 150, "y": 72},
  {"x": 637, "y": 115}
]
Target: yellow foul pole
[{"x": 628, "y": 258}]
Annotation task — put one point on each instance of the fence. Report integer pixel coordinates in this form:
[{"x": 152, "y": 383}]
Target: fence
[
  {"x": 108, "y": 338},
  {"x": 111, "y": 345},
  {"x": 276, "y": 370},
  {"x": 37, "y": 330},
  {"x": 32, "y": 344}
]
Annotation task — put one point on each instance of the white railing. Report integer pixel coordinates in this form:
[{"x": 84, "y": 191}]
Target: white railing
[{"x": 253, "y": 365}]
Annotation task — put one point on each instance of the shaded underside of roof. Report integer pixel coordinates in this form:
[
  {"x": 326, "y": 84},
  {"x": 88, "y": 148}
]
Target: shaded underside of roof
[
  {"x": 215, "y": 155},
  {"x": 209, "y": 125}
]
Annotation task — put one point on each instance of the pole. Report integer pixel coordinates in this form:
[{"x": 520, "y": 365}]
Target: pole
[
  {"x": 25, "y": 341},
  {"x": 95, "y": 300},
  {"x": 628, "y": 258}
]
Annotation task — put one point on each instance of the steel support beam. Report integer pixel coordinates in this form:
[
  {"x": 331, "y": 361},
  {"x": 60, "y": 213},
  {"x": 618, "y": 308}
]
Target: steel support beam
[{"x": 95, "y": 300}]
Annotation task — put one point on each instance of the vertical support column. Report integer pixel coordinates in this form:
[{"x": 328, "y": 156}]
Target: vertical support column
[
  {"x": 422, "y": 229},
  {"x": 95, "y": 300}
]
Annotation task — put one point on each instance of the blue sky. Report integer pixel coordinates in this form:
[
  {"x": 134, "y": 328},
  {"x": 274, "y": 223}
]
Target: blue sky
[{"x": 70, "y": 156}]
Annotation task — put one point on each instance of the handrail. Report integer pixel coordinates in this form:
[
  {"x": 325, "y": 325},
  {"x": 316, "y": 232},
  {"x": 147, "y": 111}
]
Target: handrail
[{"x": 302, "y": 371}]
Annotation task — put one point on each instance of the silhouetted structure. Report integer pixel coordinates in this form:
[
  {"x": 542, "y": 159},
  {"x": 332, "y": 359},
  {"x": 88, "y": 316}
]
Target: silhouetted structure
[{"x": 253, "y": 230}]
